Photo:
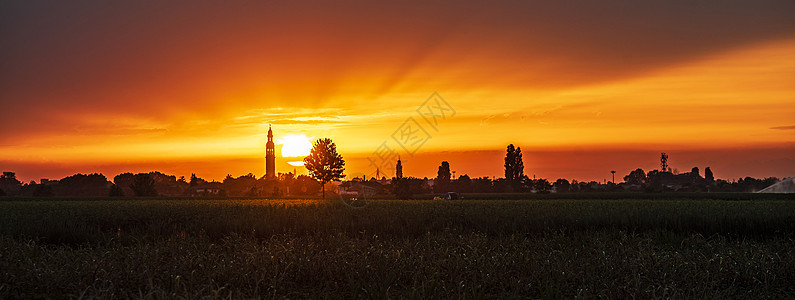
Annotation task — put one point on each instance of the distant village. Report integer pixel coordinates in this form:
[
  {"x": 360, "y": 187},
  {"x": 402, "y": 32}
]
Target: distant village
[
  {"x": 274, "y": 184},
  {"x": 289, "y": 185}
]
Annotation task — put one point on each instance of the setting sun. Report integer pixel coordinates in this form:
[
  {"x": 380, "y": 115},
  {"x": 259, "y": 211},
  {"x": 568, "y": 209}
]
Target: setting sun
[{"x": 295, "y": 146}]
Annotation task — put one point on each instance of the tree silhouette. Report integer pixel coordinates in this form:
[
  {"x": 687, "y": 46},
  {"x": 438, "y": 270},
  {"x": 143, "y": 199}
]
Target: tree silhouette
[
  {"x": 509, "y": 162},
  {"x": 304, "y": 185},
  {"x": 442, "y": 179},
  {"x": 708, "y": 175},
  {"x": 324, "y": 163},
  {"x": 514, "y": 167},
  {"x": 143, "y": 185},
  {"x": 562, "y": 185},
  {"x": 636, "y": 177},
  {"x": 399, "y": 170},
  {"x": 82, "y": 185},
  {"x": 194, "y": 181},
  {"x": 663, "y": 162},
  {"x": 482, "y": 185},
  {"x": 401, "y": 188},
  {"x": 518, "y": 168},
  {"x": 542, "y": 185},
  {"x": 406, "y": 187},
  {"x": 241, "y": 186},
  {"x": 443, "y": 173},
  {"x": 463, "y": 184},
  {"x": 43, "y": 190},
  {"x": 9, "y": 176},
  {"x": 115, "y": 191},
  {"x": 9, "y": 182}
]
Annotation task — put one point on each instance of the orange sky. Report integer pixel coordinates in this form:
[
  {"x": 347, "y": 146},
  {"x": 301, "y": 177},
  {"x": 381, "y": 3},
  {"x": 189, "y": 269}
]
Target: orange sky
[{"x": 108, "y": 87}]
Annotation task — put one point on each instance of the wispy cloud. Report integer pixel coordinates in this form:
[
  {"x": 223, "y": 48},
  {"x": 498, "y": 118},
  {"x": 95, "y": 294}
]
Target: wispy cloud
[
  {"x": 791, "y": 127},
  {"x": 115, "y": 130}
]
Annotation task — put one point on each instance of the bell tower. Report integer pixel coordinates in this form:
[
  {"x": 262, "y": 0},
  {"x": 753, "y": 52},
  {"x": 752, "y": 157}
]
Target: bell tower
[{"x": 270, "y": 156}]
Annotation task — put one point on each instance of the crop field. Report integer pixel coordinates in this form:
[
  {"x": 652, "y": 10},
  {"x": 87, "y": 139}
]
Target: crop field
[{"x": 503, "y": 248}]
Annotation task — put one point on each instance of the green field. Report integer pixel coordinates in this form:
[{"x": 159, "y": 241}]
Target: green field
[{"x": 681, "y": 247}]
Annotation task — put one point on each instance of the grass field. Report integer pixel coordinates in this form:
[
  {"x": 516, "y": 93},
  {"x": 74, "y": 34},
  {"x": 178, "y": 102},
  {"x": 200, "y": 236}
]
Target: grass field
[{"x": 681, "y": 247}]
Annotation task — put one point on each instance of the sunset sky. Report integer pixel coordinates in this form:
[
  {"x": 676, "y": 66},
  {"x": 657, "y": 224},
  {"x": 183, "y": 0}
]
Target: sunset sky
[{"x": 583, "y": 87}]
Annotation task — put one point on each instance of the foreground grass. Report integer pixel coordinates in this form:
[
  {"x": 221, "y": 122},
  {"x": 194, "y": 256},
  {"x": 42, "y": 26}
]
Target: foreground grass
[
  {"x": 615, "y": 265},
  {"x": 249, "y": 249}
]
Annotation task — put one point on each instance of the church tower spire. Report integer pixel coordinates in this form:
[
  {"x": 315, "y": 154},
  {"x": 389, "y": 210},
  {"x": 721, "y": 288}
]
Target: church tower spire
[{"x": 270, "y": 156}]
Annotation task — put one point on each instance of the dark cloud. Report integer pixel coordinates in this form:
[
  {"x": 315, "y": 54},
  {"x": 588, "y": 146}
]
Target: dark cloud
[{"x": 792, "y": 127}]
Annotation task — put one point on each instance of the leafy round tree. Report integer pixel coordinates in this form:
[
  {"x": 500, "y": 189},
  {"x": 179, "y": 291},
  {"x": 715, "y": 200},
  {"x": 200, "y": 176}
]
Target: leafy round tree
[
  {"x": 115, "y": 191},
  {"x": 636, "y": 177},
  {"x": 143, "y": 185},
  {"x": 324, "y": 163}
]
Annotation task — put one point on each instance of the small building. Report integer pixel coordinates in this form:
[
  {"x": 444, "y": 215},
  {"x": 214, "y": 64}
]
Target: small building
[
  {"x": 355, "y": 189},
  {"x": 209, "y": 189}
]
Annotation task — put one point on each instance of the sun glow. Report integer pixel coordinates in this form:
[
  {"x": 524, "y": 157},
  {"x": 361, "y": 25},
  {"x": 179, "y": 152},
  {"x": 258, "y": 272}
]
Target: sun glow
[{"x": 295, "y": 145}]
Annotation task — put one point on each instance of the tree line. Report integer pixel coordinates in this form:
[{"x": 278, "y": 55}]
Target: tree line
[
  {"x": 159, "y": 184},
  {"x": 326, "y": 165},
  {"x": 663, "y": 180}
]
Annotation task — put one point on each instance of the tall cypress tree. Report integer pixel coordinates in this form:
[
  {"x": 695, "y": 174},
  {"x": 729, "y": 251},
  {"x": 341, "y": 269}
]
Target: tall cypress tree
[
  {"x": 510, "y": 160},
  {"x": 442, "y": 181},
  {"x": 514, "y": 167},
  {"x": 518, "y": 165}
]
